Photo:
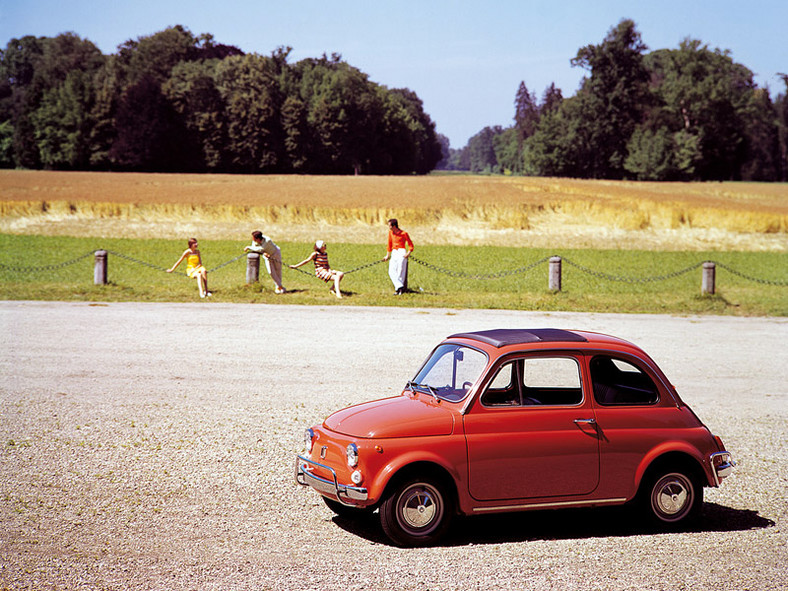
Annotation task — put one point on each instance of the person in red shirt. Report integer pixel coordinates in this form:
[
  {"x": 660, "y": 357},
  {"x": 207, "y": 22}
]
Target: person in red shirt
[{"x": 399, "y": 248}]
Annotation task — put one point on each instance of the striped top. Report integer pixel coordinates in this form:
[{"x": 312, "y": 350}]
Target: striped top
[{"x": 321, "y": 261}]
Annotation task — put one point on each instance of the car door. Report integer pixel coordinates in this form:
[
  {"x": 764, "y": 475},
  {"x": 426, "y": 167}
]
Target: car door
[{"x": 531, "y": 432}]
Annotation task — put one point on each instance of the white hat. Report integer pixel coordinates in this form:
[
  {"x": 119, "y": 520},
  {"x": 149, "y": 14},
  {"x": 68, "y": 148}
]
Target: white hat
[{"x": 319, "y": 244}]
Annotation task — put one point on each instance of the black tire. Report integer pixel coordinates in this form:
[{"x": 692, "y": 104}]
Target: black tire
[
  {"x": 417, "y": 512},
  {"x": 672, "y": 497},
  {"x": 346, "y": 511}
]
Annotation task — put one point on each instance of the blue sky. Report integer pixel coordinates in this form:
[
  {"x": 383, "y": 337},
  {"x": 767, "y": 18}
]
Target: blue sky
[{"x": 464, "y": 59}]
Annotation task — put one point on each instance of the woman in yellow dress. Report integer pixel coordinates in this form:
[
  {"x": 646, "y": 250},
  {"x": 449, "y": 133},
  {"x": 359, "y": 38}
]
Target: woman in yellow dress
[{"x": 194, "y": 268}]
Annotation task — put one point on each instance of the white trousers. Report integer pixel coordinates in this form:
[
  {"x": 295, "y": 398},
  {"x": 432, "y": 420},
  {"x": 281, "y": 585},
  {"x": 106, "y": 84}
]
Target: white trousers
[
  {"x": 274, "y": 267},
  {"x": 398, "y": 267}
]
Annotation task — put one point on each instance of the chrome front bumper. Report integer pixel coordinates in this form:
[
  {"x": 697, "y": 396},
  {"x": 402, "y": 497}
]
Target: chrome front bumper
[
  {"x": 344, "y": 493},
  {"x": 722, "y": 465}
]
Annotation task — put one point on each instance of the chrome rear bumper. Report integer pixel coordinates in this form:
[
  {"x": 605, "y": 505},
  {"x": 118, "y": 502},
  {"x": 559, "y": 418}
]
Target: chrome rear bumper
[
  {"x": 722, "y": 466},
  {"x": 344, "y": 493}
]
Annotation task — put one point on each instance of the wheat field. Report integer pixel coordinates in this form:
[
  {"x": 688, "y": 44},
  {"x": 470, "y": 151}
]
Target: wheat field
[{"x": 435, "y": 209}]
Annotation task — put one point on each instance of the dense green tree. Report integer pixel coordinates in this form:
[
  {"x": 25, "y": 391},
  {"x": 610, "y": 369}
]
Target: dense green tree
[
  {"x": 557, "y": 146},
  {"x": 509, "y": 151},
  {"x": 781, "y": 107},
  {"x": 156, "y": 55},
  {"x": 762, "y": 139},
  {"x": 20, "y": 97},
  {"x": 706, "y": 94},
  {"x": 192, "y": 91},
  {"x": 150, "y": 133},
  {"x": 526, "y": 112},
  {"x": 250, "y": 89},
  {"x": 551, "y": 99},
  {"x": 615, "y": 97},
  {"x": 481, "y": 148},
  {"x": 63, "y": 124},
  {"x": 445, "y": 144},
  {"x": 107, "y": 93},
  {"x": 407, "y": 139},
  {"x": 6, "y": 144},
  {"x": 659, "y": 155}
]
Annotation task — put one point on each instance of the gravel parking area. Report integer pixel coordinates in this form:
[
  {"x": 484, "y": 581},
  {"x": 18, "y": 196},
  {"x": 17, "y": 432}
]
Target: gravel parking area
[{"x": 151, "y": 446}]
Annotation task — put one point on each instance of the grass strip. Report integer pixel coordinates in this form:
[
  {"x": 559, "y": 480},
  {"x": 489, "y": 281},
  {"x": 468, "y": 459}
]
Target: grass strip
[{"x": 631, "y": 281}]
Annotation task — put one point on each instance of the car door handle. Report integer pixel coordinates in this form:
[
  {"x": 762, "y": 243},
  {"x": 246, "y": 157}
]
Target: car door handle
[{"x": 586, "y": 421}]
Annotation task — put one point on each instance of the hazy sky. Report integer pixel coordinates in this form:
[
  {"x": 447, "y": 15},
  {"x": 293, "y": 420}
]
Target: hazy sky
[{"x": 464, "y": 59}]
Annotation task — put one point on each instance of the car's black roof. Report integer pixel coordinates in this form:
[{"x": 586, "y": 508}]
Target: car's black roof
[{"x": 501, "y": 337}]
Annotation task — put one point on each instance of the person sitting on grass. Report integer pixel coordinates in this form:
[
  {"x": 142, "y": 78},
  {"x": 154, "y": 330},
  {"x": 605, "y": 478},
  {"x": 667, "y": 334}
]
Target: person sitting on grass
[
  {"x": 194, "y": 267},
  {"x": 322, "y": 269}
]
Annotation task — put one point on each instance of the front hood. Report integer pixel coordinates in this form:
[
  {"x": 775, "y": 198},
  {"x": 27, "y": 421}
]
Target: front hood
[{"x": 401, "y": 416}]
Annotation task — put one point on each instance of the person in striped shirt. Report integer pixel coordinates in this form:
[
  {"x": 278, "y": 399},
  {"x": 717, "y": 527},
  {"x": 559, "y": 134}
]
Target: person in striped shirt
[{"x": 322, "y": 269}]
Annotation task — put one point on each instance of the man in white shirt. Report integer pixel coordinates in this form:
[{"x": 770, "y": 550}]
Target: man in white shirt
[{"x": 272, "y": 256}]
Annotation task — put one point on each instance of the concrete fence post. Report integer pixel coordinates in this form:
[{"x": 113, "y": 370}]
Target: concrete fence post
[
  {"x": 707, "y": 285},
  {"x": 100, "y": 268},
  {"x": 554, "y": 274},
  {"x": 252, "y": 268}
]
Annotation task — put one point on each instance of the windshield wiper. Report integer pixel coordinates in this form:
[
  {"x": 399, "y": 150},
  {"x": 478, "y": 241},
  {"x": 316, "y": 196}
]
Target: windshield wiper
[{"x": 413, "y": 387}]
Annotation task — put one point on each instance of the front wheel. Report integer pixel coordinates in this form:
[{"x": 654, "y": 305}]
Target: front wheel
[
  {"x": 417, "y": 512},
  {"x": 672, "y": 497}
]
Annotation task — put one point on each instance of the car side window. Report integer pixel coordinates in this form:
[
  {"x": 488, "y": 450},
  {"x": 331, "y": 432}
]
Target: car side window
[
  {"x": 621, "y": 383},
  {"x": 552, "y": 381},
  {"x": 503, "y": 389},
  {"x": 535, "y": 381}
]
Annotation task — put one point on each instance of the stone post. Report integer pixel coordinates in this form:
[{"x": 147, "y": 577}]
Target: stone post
[
  {"x": 707, "y": 286},
  {"x": 252, "y": 268},
  {"x": 100, "y": 268},
  {"x": 554, "y": 274}
]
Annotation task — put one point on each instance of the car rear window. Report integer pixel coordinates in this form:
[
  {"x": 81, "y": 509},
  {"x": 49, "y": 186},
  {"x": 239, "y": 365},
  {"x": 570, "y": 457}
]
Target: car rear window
[{"x": 620, "y": 383}]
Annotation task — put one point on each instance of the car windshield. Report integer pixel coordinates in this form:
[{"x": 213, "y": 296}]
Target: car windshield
[{"x": 450, "y": 372}]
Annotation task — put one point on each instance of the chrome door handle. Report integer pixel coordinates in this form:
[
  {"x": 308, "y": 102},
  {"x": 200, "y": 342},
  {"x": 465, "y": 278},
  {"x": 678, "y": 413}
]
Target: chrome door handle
[{"x": 586, "y": 421}]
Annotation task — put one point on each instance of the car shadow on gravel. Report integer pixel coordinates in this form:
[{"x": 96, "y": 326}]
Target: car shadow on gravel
[{"x": 569, "y": 524}]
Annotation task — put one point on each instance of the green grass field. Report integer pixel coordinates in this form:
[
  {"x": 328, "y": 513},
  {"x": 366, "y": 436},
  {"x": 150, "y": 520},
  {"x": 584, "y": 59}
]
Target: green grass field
[{"x": 50, "y": 268}]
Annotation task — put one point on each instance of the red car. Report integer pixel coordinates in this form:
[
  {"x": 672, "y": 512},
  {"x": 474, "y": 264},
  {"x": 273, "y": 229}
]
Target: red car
[{"x": 512, "y": 420}]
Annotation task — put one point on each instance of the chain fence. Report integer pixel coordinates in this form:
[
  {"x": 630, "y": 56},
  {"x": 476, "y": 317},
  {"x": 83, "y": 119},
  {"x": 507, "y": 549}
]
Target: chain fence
[{"x": 431, "y": 267}]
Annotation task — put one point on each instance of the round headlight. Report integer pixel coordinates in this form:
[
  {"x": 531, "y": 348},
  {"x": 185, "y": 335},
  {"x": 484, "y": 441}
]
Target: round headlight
[
  {"x": 352, "y": 454},
  {"x": 309, "y": 437},
  {"x": 357, "y": 477}
]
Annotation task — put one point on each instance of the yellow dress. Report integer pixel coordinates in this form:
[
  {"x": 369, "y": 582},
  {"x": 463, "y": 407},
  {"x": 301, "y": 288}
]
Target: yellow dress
[{"x": 193, "y": 264}]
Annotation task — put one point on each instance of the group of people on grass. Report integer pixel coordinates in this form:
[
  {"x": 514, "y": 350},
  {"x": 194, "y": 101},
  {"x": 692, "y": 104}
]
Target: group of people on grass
[{"x": 398, "y": 250}]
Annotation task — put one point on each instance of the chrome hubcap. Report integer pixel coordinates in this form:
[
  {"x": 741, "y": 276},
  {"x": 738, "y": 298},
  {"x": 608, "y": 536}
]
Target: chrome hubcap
[
  {"x": 420, "y": 505},
  {"x": 671, "y": 496}
]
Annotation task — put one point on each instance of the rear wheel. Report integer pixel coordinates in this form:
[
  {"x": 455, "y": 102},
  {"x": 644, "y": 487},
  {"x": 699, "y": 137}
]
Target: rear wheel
[
  {"x": 672, "y": 497},
  {"x": 417, "y": 512}
]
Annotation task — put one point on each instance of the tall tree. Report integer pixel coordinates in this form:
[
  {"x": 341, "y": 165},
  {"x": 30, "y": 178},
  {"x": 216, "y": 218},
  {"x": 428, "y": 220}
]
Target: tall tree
[
  {"x": 526, "y": 112},
  {"x": 616, "y": 95},
  {"x": 706, "y": 94},
  {"x": 781, "y": 106},
  {"x": 191, "y": 89},
  {"x": 481, "y": 148},
  {"x": 551, "y": 99},
  {"x": 250, "y": 89},
  {"x": 20, "y": 61},
  {"x": 150, "y": 134}
]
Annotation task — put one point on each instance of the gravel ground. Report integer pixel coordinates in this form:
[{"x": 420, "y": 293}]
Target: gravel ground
[{"x": 151, "y": 446}]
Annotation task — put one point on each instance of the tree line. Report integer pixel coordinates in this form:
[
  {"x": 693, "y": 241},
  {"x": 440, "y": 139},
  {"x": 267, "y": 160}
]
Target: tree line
[
  {"x": 669, "y": 115},
  {"x": 173, "y": 101}
]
